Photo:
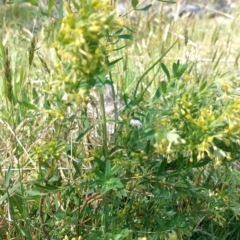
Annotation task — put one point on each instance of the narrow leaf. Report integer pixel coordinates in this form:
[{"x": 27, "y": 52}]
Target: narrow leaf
[
  {"x": 125, "y": 36},
  {"x": 115, "y": 169},
  {"x": 157, "y": 94},
  {"x": 203, "y": 86},
  {"x": 27, "y": 105},
  {"x": 162, "y": 166},
  {"x": 50, "y": 6},
  {"x": 175, "y": 69},
  {"x": 115, "y": 61},
  {"x": 108, "y": 169},
  {"x": 144, "y": 8},
  {"x": 8, "y": 176},
  {"x": 181, "y": 70},
  {"x": 48, "y": 187},
  {"x": 163, "y": 85},
  {"x": 164, "y": 68},
  {"x": 9, "y": 192},
  {"x": 82, "y": 134},
  {"x": 34, "y": 193}
]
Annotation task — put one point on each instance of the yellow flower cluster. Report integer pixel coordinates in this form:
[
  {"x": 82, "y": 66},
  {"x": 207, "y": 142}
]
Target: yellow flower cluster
[
  {"x": 232, "y": 117},
  {"x": 46, "y": 151},
  {"x": 183, "y": 108},
  {"x": 207, "y": 130},
  {"x": 206, "y": 117},
  {"x": 55, "y": 115},
  {"x": 82, "y": 39},
  {"x": 169, "y": 144},
  {"x": 162, "y": 147}
]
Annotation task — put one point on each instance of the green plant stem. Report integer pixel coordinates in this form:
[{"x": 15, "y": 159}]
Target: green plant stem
[
  {"x": 104, "y": 125},
  {"x": 151, "y": 67},
  {"x": 105, "y": 214},
  {"x": 41, "y": 206},
  {"x": 114, "y": 101},
  {"x": 41, "y": 216}
]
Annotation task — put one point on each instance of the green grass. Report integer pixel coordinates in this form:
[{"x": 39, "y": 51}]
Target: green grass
[{"x": 64, "y": 176}]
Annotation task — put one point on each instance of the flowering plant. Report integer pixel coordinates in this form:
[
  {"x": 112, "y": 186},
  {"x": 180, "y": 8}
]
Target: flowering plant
[{"x": 84, "y": 42}]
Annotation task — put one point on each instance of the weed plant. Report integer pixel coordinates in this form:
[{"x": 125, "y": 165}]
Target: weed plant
[{"x": 164, "y": 165}]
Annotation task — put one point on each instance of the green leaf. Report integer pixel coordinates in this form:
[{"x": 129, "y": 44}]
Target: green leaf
[
  {"x": 38, "y": 12},
  {"x": 111, "y": 184},
  {"x": 61, "y": 8},
  {"x": 100, "y": 164},
  {"x": 8, "y": 176},
  {"x": 178, "y": 69},
  {"x": 134, "y": 3},
  {"x": 17, "y": 201},
  {"x": 148, "y": 134},
  {"x": 163, "y": 85},
  {"x": 10, "y": 191},
  {"x": 162, "y": 166},
  {"x": 115, "y": 169},
  {"x": 82, "y": 134},
  {"x": 2, "y": 52},
  {"x": 203, "y": 86},
  {"x": 182, "y": 69},
  {"x": 148, "y": 147},
  {"x": 77, "y": 169},
  {"x": 114, "y": 62},
  {"x": 47, "y": 187},
  {"x": 33, "y": 2},
  {"x": 201, "y": 163},
  {"x": 123, "y": 234},
  {"x": 108, "y": 169},
  {"x": 175, "y": 68},
  {"x": 119, "y": 31},
  {"x": 115, "y": 183},
  {"x": 157, "y": 94},
  {"x": 135, "y": 134},
  {"x": 164, "y": 68},
  {"x": 27, "y": 105},
  {"x": 22, "y": 77},
  {"x": 50, "y": 6},
  {"x": 144, "y": 8},
  {"x": 125, "y": 36},
  {"x": 34, "y": 193}
]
